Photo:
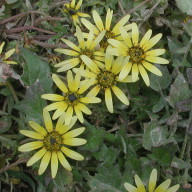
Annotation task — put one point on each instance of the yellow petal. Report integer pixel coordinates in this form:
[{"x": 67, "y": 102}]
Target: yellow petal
[
  {"x": 97, "y": 40},
  {"x": 108, "y": 100},
  {"x": 60, "y": 84},
  {"x": 146, "y": 38},
  {"x": 47, "y": 121},
  {"x": 72, "y": 154},
  {"x": 57, "y": 105},
  {"x": 108, "y": 61},
  {"x": 89, "y": 26},
  {"x": 93, "y": 92},
  {"x": 78, "y": 4},
  {"x": 158, "y": 60},
  {"x": 135, "y": 72},
  {"x": 108, "y": 19},
  {"x": 152, "y": 68},
  {"x": 79, "y": 114},
  {"x": 58, "y": 113},
  {"x": 52, "y": 97},
  {"x": 77, "y": 81},
  {"x": 74, "y": 133},
  {"x": 139, "y": 183},
  {"x": 117, "y": 65},
  {"x": 125, "y": 70},
  {"x": 9, "y": 53},
  {"x": 155, "y": 52},
  {"x": 130, "y": 188},
  {"x": 69, "y": 115},
  {"x": 63, "y": 161},
  {"x": 30, "y": 146},
  {"x": 73, "y": 3},
  {"x": 122, "y": 97},
  {"x": 70, "y": 80},
  {"x": 174, "y": 188},
  {"x": 152, "y": 42},
  {"x": 98, "y": 20},
  {"x": 89, "y": 39},
  {"x": 144, "y": 74},
  {"x": 121, "y": 23},
  {"x": 1, "y": 47},
  {"x": 135, "y": 34},
  {"x": 54, "y": 164},
  {"x": 83, "y": 14},
  {"x": 67, "y": 52},
  {"x": 89, "y": 63},
  {"x": 90, "y": 100},
  {"x": 163, "y": 186},
  {"x": 126, "y": 37},
  {"x": 32, "y": 134},
  {"x": 84, "y": 109},
  {"x": 37, "y": 127},
  {"x": 85, "y": 86},
  {"x": 119, "y": 45},
  {"x": 72, "y": 45},
  {"x": 73, "y": 121},
  {"x": 44, "y": 162},
  {"x": 36, "y": 157},
  {"x": 60, "y": 122},
  {"x": 10, "y": 62},
  {"x": 152, "y": 180},
  {"x": 74, "y": 141},
  {"x": 80, "y": 37}
]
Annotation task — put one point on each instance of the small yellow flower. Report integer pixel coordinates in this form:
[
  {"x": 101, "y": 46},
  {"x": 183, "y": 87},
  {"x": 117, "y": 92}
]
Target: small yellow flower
[
  {"x": 72, "y": 98},
  {"x": 106, "y": 79},
  {"x": 164, "y": 187},
  {"x": 141, "y": 57},
  {"x": 111, "y": 33},
  {"x": 87, "y": 48},
  {"x": 5, "y": 58},
  {"x": 53, "y": 142},
  {"x": 72, "y": 9}
]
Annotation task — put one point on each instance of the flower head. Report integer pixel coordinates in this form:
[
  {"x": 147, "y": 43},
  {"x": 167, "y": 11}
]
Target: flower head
[
  {"x": 5, "y": 58},
  {"x": 72, "y": 9},
  {"x": 141, "y": 57},
  {"x": 164, "y": 187},
  {"x": 106, "y": 79},
  {"x": 111, "y": 33},
  {"x": 53, "y": 142},
  {"x": 72, "y": 99},
  {"x": 87, "y": 48}
]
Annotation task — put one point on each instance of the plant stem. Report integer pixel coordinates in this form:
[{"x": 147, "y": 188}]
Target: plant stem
[
  {"x": 184, "y": 145},
  {"x": 12, "y": 91}
]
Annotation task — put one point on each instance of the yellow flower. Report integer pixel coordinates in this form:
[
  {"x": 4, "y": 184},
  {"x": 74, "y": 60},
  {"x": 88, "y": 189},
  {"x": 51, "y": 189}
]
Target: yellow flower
[
  {"x": 87, "y": 48},
  {"x": 164, "y": 187},
  {"x": 111, "y": 33},
  {"x": 141, "y": 57},
  {"x": 53, "y": 142},
  {"x": 4, "y": 58},
  {"x": 106, "y": 79},
  {"x": 72, "y": 10},
  {"x": 72, "y": 98}
]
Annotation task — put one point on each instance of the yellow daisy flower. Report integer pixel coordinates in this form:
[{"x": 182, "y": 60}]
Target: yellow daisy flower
[
  {"x": 53, "y": 142},
  {"x": 106, "y": 79},
  {"x": 72, "y": 9},
  {"x": 72, "y": 99},
  {"x": 163, "y": 187},
  {"x": 5, "y": 58},
  {"x": 141, "y": 57},
  {"x": 87, "y": 48},
  {"x": 111, "y": 33}
]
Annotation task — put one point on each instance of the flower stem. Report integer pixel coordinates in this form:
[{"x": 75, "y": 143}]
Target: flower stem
[{"x": 12, "y": 91}]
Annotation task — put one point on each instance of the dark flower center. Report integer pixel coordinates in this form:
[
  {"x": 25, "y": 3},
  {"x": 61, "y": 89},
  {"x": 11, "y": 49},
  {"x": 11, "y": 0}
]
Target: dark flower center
[
  {"x": 106, "y": 79},
  {"x": 137, "y": 54},
  {"x": 72, "y": 98}
]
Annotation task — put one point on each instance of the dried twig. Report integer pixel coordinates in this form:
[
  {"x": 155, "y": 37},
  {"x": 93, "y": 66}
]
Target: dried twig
[{"x": 38, "y": 21}]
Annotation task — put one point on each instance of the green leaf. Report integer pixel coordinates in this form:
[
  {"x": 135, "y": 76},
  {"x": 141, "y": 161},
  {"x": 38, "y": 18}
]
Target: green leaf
[
  {"x": 185, "y": 6},
  {"x": 108, "y": 179},
  {"x": 158, "y": 106},
  {"x": 107, "y": 154},
  {"x": 180, "y": 164},
  {"x": 5, "y": 124},
  {"x": 154, "y": 135},
  {"x": 32, "y": 105},
  {"x": 158, "y": 83},
  {"x": 179, "y": 91},
  {"x": 35, "y": 70}
]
